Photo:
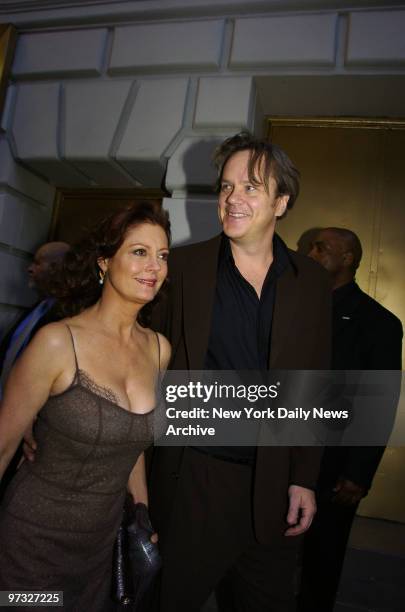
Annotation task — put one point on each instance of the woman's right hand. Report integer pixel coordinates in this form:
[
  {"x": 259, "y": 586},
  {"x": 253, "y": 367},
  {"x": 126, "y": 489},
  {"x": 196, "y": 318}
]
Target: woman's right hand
[{"x": 29, "y": 445}]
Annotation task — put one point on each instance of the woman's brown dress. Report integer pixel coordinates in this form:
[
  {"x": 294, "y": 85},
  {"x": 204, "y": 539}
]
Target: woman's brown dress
[{"x": 60, "y": 514}]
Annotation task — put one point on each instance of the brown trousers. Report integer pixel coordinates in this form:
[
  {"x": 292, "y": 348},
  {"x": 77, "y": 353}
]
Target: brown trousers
[{"x": 211, "y": 545}]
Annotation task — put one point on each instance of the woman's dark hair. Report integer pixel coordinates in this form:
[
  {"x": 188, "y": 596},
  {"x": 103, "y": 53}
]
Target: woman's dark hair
[
  {"x": 266, "y": 159},
  {"x": 77, "y": 285}
]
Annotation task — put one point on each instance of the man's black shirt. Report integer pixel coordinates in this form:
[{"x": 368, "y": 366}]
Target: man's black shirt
[
  {"x": 241, "y": 321},
  {"x": 241, "y": 325}
]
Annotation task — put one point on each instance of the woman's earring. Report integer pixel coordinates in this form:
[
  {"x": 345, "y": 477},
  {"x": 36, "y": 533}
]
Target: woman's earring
[{"x": 101, "y": 275}]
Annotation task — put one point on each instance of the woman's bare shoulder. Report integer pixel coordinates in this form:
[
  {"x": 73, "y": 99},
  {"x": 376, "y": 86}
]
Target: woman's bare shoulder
[
  {"x": 162, "y": 350},
  {"x": 52, "y": 336},
  {"x": 47, "y": 352},
  {"x": 163, "y": 341},
  {"x": 165, "y": 350}
]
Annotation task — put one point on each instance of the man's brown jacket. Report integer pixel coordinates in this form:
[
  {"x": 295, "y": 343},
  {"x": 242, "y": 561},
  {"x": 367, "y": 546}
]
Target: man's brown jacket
[{"x": 300, "y": 339}]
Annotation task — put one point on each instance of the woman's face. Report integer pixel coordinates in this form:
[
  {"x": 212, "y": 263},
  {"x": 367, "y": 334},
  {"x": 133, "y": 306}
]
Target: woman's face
[{"x": 139, "y": 267}]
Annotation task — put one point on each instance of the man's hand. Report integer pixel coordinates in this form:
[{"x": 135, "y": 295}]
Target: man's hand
[
  {"x": 301, "y": 510},
  {"x": 29, "y": 446},
  {"x": 348, "y": 493}
]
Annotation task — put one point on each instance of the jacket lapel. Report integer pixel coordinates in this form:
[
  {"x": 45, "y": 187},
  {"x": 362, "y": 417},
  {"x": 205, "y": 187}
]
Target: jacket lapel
[
  {"x": 199, "y": 281},
  {"x": 284, "y": 315}
]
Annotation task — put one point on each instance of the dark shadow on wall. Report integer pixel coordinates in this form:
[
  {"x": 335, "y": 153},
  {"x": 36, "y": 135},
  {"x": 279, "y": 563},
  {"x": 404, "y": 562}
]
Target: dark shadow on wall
[{"x": 201, "y": 215}]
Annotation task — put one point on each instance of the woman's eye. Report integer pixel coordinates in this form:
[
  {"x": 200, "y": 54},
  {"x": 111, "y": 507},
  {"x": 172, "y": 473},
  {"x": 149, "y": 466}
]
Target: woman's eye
[
  {"x": 250, "y": 188},
  {"x": 139, "y": 252},
  {"x": 164, "y": 256},
  {"x": 225, "y": 187}
]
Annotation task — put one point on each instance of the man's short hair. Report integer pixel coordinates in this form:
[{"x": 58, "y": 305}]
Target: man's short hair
[{"x": 266, "y": 159}]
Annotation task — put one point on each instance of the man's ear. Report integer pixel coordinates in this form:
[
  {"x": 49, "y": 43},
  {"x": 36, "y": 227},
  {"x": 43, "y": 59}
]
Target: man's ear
[
  {"x": 348, "y": 259},
  {"x": 102, "y": 264},
  {"x": 281, "y": 205}
]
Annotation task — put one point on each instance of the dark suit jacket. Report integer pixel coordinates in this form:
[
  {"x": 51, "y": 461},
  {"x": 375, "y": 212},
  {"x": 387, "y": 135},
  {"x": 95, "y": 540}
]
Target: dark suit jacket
[
  {"x": 50, "y": 316},
  {"x": 300, "y": 339},
  {"x": 366, "y": 336}
]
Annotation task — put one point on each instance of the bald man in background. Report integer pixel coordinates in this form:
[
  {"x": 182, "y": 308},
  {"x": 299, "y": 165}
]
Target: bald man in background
[
  {"x": 48, "y": 256},
  {"x": 366, "y": 336}
]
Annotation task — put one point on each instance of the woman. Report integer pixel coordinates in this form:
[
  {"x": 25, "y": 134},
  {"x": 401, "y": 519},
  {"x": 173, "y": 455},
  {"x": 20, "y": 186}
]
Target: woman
[{"x": 90, "y": 379}]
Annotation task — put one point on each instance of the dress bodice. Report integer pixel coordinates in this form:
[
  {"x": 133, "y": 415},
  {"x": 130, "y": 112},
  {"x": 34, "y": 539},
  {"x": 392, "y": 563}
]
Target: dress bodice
[{"x": 87, "y": 447}]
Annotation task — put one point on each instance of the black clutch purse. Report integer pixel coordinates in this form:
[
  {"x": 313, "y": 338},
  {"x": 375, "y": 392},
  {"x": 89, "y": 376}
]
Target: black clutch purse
[{"x": 136, "y": 560}]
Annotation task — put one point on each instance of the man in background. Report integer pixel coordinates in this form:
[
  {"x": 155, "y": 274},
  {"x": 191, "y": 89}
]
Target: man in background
[
  {"x": 366, "y": 336},
  {"x": 46, "y": 260}
]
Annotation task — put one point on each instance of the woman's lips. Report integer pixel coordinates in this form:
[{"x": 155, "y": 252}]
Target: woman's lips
[{"x": 150, "y": 282}]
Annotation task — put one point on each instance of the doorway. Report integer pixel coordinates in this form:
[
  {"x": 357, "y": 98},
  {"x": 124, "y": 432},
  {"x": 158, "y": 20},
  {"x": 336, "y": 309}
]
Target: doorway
[
  {"x": 352, "y": 176},
  {"x": 77, "y": 210}
]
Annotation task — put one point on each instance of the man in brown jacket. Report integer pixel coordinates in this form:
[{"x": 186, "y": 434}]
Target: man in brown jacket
[{"x": 230, "y": 518}]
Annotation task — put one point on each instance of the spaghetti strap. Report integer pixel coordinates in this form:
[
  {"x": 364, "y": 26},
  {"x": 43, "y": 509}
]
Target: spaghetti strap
[
  {"x": 158, "y": 343},
  {"x": 74, "y": 351}
]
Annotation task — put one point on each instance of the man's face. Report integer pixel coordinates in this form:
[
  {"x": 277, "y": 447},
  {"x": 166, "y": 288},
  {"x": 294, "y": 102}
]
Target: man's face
[
  {"x": 247, "y": 211},
  {"x": 38, "y": 269},
  {"x": 329, "y": 250}
]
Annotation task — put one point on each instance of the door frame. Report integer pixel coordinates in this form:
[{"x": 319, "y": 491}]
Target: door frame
[
  {"x": 8, "y": 41},
  {"x": 375, "y": 123},
  {"x": 100, "y": 194}
]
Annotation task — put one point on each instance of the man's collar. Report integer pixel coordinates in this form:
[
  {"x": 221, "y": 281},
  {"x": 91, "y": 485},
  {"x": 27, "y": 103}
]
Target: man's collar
[
  {"x": 281, "y": 254},
  {"x": 342, "y": 292}
]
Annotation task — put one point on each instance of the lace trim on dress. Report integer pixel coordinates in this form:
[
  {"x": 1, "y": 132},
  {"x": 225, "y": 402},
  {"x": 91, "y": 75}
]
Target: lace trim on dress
[{"x": 105, "y": 392}]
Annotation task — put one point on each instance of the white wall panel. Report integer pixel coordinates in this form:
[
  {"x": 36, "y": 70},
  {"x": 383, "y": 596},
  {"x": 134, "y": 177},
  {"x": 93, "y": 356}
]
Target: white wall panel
[
  {"x": 302, "y": 40},
  {"x": 167, "y": 46},
  {"x": 36, "y": 121},
  {"x": 23, "y": 224},
  {"x": 92, "y": 113},
  {"x": 71, "y": 52},
  {"x": 21, "y": 180},
  {"x": 224, "y": 102},
  {"x": 155, "y": 119},
  {"x": 376, "y": 38}
]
